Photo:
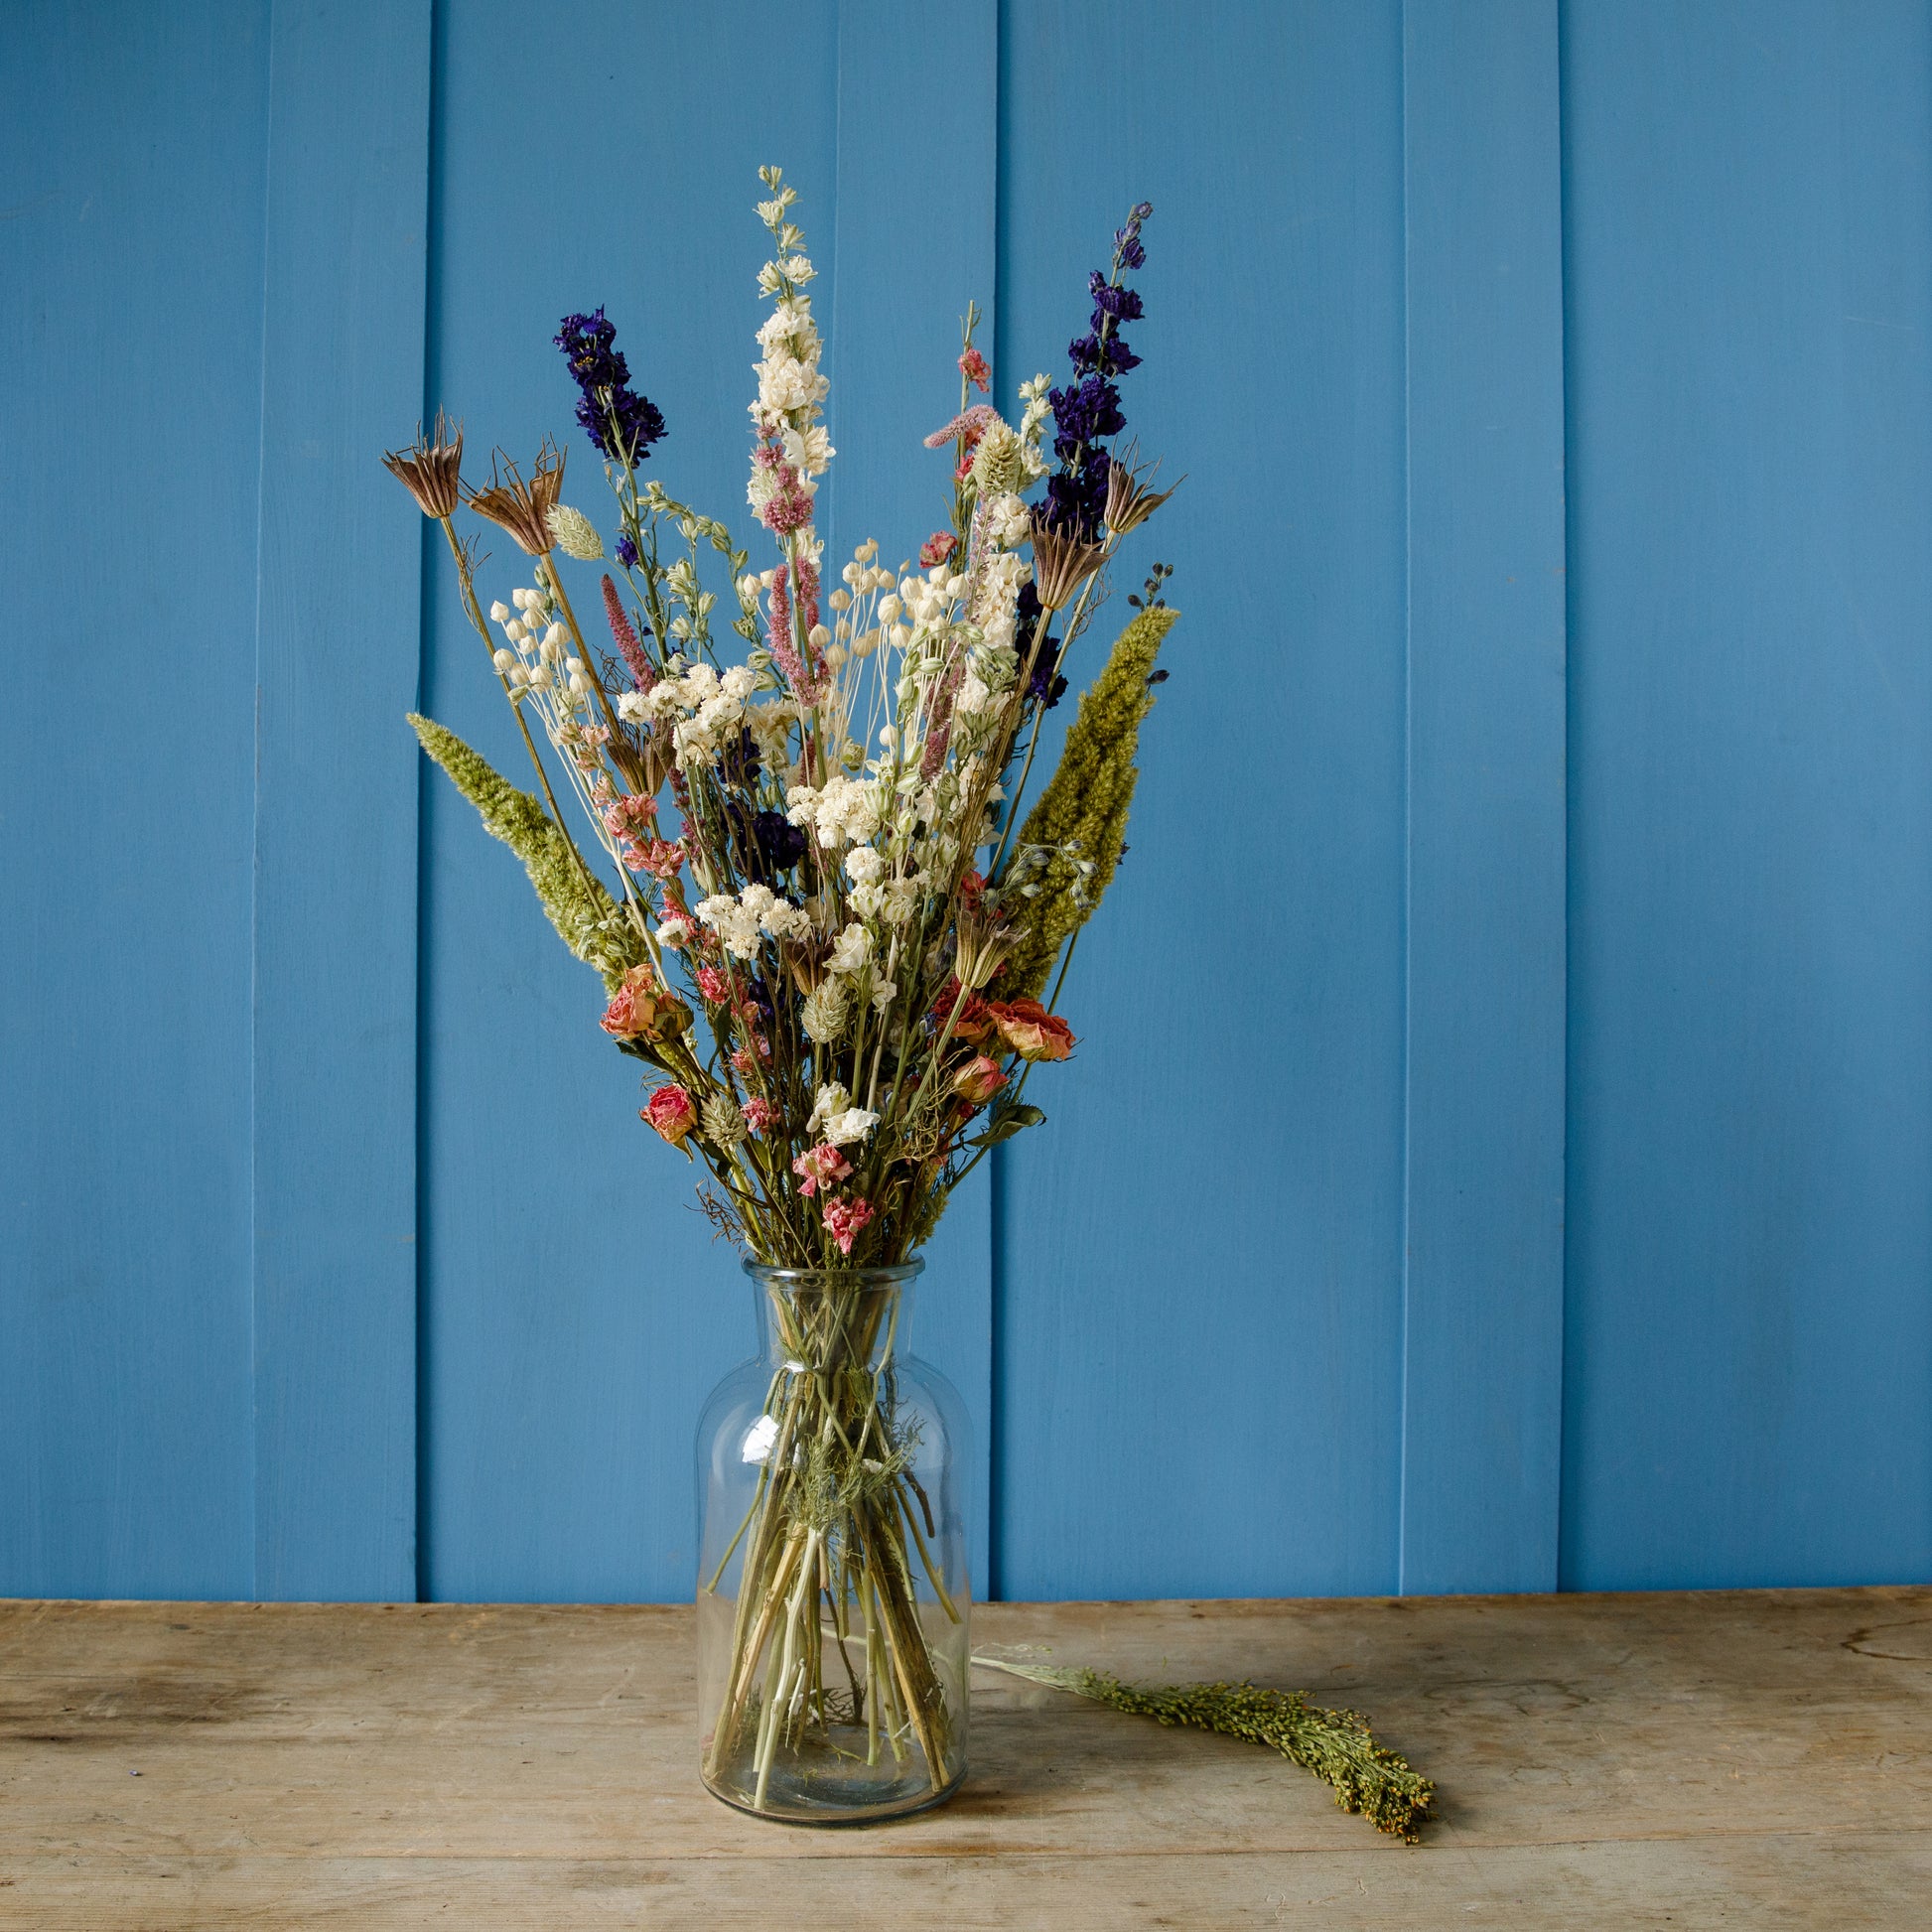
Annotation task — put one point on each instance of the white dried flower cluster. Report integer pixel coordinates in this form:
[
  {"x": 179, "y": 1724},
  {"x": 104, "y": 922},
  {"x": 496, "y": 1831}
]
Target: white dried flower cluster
[
  {"x": 843, "y": 812},
  {"x": 739, "y": 920},
  {"x": 701, "y": 707},
  {"x": 535, "y": 656}
]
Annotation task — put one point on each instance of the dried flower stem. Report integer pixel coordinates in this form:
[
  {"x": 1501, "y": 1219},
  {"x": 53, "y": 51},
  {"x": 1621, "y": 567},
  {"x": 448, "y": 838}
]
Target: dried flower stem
[{"x": 1336, "y": 1745}]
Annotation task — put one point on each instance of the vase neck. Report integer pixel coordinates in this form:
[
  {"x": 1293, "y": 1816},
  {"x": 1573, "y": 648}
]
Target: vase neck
[{"x": 818, "y": 1321}]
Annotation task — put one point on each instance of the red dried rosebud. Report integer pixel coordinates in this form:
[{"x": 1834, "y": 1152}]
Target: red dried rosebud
[{"x": 672, "y": 1113}]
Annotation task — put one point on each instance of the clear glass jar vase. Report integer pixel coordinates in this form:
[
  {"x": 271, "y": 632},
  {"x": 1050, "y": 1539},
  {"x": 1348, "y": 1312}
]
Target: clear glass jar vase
[{"x": 833, "y": 1599}]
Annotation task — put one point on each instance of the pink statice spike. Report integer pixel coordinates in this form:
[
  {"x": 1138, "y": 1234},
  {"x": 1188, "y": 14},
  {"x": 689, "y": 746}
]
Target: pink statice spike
[{"x": 643, "y": 673}]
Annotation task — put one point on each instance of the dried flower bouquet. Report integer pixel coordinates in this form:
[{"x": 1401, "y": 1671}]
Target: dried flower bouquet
[{"x": 819, "y": 850}]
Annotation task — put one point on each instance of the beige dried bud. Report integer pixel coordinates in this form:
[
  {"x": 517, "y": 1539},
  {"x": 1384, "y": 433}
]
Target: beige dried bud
[
  {"x": 724, "y": 1125},
  {"x": 824, "y": 1012},
  {"x": 999, "y": 464},
  {"x": 431, "y": 468},
  {"x": 576, "y": 534},
  {"x": 523, "y": 510}
]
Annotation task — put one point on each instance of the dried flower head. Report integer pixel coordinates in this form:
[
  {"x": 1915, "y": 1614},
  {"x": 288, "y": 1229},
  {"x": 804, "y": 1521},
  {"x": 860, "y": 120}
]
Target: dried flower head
[
  {"x": 576, "y": 534},
  {"x": 1130, "y": 499},
  {"x": 523, "y": 510},
  {"x": 431, "y": 468},
  {"x": 1062, "y": 561}
]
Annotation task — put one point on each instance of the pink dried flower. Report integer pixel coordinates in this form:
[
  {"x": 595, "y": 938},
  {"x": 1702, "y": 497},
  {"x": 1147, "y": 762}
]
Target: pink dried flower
[
  {"x": 758, "y": 1115},
  {"x": 670, "y": 1110},
  {"x": 714, "y": 985},
  {"x": 970, "y": 423},
  {"x": 643, "y": 673},
  {"x": 845, "y": 1219},
  {"x": 664, "y": 858},
  {"x": 679, "y": 928},
  {"x": 820, "y": 1167},
  {"x": 937, "y": 548},
  {"x": 979, "y": 1079},
  {"x": 972, "y": 365}
]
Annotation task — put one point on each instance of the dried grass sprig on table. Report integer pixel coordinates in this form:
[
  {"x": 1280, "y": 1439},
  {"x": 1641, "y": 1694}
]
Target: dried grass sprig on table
[{"x": 1336, "y": 1745}]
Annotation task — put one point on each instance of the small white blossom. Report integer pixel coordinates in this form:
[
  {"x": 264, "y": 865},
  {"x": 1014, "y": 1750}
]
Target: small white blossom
[
  {"x": 853, "y": 1124},
  {"x": 832, "y": 1100},
  {"x": 850, "y": 950}
]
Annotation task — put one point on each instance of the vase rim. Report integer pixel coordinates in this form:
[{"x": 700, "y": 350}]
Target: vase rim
[{"x": 894, "y": 1274}]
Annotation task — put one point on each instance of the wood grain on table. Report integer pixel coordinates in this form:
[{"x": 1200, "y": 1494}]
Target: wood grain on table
[{"x": 1725, "y": 1758}]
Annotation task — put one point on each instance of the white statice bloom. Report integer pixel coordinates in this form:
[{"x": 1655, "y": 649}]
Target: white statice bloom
[
  {"x": 844, "y": 811},
  {"x": 864, "y": 865},
  {"x": 883, "y": 993},
  {"x": 735, "y": 925},
  {"x": 851, "y": 951},
  {"x": 633, "y": 708},
  {"x": 832, "y": 1100},
  {"x": 853, "y": 1124},
  {"x": 738, "y": 684},
  {"x": 799, "y": 268},
  {"x": 660, "y": 703},
  {"x": 903, "y": 898},
  {"x": 787, "y": 922}
]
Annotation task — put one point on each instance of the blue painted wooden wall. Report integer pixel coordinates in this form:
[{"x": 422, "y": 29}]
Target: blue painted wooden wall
[{"x": 1500, "y": 1152}]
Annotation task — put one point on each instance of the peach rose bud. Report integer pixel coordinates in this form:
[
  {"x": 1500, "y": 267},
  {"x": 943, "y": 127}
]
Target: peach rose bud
[{"x": 979, "y": 1079}]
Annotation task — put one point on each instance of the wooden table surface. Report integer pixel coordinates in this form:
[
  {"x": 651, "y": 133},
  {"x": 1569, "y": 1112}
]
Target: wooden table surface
[{"x": 1723, "y": 1759}]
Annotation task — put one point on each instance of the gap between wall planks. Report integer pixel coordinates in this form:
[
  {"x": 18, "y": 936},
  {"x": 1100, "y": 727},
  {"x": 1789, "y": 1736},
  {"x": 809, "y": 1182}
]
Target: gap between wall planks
[
  {"x": 338, "y": 646},
  {"x": 1483, "y": 1156}
]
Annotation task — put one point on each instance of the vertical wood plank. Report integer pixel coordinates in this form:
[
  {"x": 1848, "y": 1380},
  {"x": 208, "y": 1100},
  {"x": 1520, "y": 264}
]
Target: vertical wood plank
[
  {"x": 338, "y": 643},
  {"x": 1199, "y": 1266},
  {"x": 1748, "y": 1364},
  {"x": 917, "y": 175},
  {"x": 130, "y": 379},
  {"x": 1482, "y": 1259},
  {"x": 577, "y": 1308}
]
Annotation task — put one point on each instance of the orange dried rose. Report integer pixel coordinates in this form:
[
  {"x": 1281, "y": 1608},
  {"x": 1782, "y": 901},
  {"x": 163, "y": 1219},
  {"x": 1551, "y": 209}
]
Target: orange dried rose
[{"x": 1029, "y": 1030}]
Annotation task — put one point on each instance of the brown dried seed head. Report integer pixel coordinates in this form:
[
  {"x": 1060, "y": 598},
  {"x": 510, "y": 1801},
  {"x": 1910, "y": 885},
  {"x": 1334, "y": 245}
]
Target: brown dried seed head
[
  {"x": 523, "y": 508},
  {"x": 431, "y": 468},
  {"x": 1130, "y": 503},
  {"x": 1062, "y": 562}
]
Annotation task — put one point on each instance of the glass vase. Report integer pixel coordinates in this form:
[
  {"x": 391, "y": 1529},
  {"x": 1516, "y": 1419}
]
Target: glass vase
[{"x": 833, "y": 1599}]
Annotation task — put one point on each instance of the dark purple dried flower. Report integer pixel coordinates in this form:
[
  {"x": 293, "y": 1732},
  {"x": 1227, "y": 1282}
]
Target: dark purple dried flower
[
  {"x": 623, "y": 424},
  {"x": 626, "y": 553},
  {"x": 768, "y": 845}
]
